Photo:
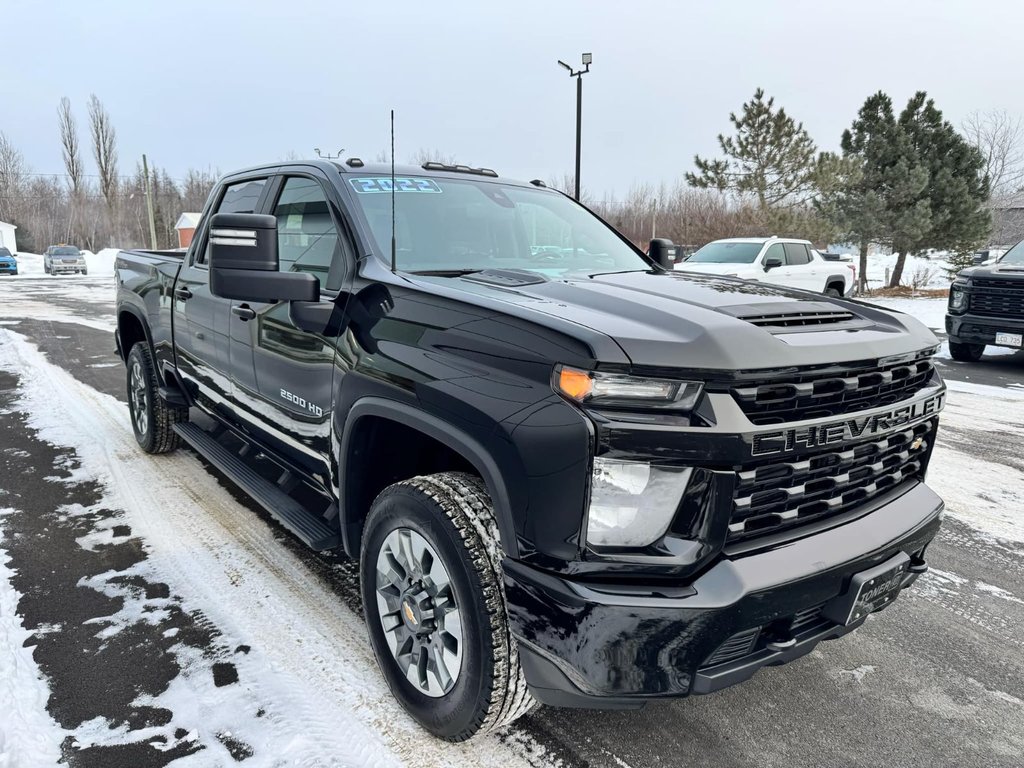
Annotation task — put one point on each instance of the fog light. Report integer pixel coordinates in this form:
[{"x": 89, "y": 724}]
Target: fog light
[{"x": 632, "y": 503}]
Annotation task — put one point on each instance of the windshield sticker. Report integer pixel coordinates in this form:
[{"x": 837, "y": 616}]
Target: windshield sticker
[{"x": 383, "y": 184}]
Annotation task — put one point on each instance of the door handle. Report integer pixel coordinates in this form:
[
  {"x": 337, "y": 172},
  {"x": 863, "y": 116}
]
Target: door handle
[
  {"x": 184, "y": 294},
  {"x": 245, "y": 313}
]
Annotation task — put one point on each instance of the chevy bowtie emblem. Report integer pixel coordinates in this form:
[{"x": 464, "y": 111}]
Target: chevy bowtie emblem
[
  {"x": 409, "y": 614},
  {"x": 918, "y": 442}
]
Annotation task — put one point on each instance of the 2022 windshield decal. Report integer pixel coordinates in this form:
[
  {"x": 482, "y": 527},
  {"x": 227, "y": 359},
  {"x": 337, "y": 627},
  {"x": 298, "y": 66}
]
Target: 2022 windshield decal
[{"x": 369, "y": 186}]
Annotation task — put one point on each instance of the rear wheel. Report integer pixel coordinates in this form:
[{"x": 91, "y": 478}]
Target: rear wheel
[
  {"x": 966, "y": 353},
  {"x": 153, "y": 420},
  {"x": 435, "y": 606},
  {"x": 834, "y": 291}
]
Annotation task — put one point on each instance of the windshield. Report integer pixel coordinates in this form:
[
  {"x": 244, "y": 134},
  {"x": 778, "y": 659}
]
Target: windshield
[
  {"x": 726, "y": 253},
  {"x": 65, "y": 250},
  {"x": 447, "y": 225},
  {"x": 4, "y": 252},
  {"x": 1015, "y": 255}
]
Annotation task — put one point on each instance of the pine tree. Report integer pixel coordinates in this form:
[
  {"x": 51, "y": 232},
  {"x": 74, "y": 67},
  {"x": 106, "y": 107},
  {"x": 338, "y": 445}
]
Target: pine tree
[
  {"x": 771, "y": 157},
  {"x": 957, "y": 186}
]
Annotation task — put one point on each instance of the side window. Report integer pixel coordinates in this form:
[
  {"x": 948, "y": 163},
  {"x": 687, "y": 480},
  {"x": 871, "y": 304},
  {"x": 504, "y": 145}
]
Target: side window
[
  {"x": 238, "y": 198},
  {"x": 796, "y": 253},
  {"x": 775, "y": 251},
  {"x": 306, "y": 235}
]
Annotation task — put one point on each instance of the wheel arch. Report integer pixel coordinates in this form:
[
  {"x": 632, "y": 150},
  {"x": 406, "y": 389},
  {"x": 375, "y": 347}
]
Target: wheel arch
[
  {"x": 838, "y": 281},
  {"x": 464, "y": 445}
]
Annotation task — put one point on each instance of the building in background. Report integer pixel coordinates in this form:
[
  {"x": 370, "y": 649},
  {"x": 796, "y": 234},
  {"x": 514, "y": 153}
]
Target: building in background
[
  {"x": 186, "y": 228},
  {"x": 7, "y": 239}
]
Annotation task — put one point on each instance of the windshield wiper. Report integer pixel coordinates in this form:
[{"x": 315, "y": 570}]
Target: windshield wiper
[{"x": 445, "y": 272}]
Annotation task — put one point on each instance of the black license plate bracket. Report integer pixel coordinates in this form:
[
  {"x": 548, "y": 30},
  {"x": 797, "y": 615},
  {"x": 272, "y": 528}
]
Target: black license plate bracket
[{"x": 870, "y": 590}]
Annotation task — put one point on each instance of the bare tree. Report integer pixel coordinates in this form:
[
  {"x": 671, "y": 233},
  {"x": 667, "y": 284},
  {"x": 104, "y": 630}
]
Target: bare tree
[
  {"x": 1000, "y": 138},
  {"x": 432, "y": 156},
  {"x": 12, "y": 178},
  {"x": 104, "y": 149},
  {"x": 69, "y": 144}
]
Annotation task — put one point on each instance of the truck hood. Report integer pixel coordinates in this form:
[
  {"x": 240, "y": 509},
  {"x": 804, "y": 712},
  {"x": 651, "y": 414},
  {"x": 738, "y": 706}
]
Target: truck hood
[
  {"x": 685, "y": 320},
  {"x": 1010, "y": 271}
]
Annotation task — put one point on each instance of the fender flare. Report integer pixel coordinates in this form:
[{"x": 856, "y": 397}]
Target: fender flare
[
  {"x": 836, "y": 279},
  {"x": 456, "y": 439},
  {"x": 139, "y": 315}
]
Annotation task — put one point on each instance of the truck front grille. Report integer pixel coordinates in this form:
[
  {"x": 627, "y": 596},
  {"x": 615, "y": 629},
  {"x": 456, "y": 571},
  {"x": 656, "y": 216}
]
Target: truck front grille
[
  {"x": 786, "y": 494},
  {"x": 998, "y": 298},
  {"x": 831, "y": 391}
]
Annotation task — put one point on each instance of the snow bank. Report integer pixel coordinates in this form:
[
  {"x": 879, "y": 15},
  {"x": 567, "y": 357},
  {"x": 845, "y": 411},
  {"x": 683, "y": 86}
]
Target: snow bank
[
  {"x": 28, "y": 735},
  {"x": 100, "y": 265},
  {"x": 930, "y": 311}
]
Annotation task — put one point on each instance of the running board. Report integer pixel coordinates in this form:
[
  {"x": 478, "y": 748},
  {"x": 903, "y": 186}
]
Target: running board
[{"x": 307, "y": 526}]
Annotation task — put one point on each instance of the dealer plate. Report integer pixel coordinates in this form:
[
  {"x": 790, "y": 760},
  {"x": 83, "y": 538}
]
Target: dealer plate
[
  {"x": 1010, "y": 339},
  {"x": 870, "y": 591}
]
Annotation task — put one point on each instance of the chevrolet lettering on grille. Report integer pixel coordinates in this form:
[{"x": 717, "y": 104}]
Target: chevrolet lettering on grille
[{"x": 781, "y": 441}]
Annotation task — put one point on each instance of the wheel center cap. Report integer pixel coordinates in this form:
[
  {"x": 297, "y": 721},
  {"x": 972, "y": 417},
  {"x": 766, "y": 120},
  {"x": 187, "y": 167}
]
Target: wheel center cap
[{"x": 410, "y": 615}]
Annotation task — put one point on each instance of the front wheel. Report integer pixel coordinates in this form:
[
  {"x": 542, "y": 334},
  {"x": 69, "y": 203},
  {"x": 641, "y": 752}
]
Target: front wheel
[
  {"x": 966, "y": 353},
  {"x": 435, "y": 606},
  {"x": 153, "y": 420}
]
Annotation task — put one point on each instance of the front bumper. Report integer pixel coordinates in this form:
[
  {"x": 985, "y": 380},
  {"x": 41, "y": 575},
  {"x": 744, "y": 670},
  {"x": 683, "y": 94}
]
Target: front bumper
[
  {"x": 600, "y": 646},
  {"x": 980, "y": 329},
  {"x": 62, "y": 269},
  {"x": 8, "y": 269}
]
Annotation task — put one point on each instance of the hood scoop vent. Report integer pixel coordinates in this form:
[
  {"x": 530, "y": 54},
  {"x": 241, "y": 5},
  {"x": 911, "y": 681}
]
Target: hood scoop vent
[
  {"x": 506, "y": 278},
  {"x": 797, "y": 315}
]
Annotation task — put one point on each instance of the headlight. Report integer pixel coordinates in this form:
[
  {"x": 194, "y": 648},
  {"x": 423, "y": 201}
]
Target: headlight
[
  {"x": 619, "y": 390},
  {"x": 958, "y": 297},
  {"x": 632, "y": 503}
]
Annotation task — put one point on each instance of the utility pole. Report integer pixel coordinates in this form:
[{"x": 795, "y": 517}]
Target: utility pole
[
  {"x": 149, "y": 205},
  {"x": 578, "y": 74}
]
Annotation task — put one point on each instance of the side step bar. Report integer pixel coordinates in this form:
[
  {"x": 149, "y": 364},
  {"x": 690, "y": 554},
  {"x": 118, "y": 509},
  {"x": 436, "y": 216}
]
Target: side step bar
[{"x": 307, "y": 526}]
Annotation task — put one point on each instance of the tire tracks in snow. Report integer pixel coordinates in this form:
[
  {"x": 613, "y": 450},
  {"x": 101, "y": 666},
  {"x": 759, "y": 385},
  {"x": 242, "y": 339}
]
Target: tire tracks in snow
[{"x": 226, "y": 562}]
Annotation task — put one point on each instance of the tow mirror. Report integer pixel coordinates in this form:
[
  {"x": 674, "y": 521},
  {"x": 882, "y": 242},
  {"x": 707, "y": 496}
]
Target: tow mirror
[
  {"x": 663, "y": 252},
  {"x": 771, "y": 262},
  {"x": 244, "y": 263}
]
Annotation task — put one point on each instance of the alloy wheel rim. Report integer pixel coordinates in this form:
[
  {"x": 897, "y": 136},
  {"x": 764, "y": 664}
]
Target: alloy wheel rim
[
  {"x": 418, "y": 612},
  {"x": 139, "y": 398}
]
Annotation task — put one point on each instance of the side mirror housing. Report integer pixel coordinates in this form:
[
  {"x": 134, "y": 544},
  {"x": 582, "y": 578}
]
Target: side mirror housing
[
  {"x": 771, "y": 262},
  {"x": 244, "y": 262},
  {"x": 663, "y": 252}
]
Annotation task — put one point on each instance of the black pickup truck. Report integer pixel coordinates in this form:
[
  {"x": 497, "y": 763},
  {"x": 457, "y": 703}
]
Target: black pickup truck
[
  {"x": 570, "y": 475},
  {"x": 986, "y": 306}
]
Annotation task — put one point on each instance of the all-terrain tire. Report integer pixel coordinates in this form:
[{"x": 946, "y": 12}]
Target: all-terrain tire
[
  {"x": 966, "y": 353},
  {"x": 453, "y": 512},
  {"x": 153, "y": 419}
]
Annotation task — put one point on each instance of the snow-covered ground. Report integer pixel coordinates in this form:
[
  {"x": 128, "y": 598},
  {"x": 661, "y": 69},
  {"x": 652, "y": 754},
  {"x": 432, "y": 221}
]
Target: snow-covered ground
[
  {"x": 100, "y": 264},
  {"x": 925, "y": 272}
]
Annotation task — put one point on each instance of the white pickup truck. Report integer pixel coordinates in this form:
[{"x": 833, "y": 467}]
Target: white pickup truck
[{"x": 776, "y": 260}]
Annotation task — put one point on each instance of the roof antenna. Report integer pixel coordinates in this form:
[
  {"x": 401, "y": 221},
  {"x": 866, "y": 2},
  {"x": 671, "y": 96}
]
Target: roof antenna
[{"x": 393, "y": 248}]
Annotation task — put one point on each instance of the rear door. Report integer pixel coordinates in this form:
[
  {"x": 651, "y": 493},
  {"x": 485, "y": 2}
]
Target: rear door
[
  {"x": 800, "y": 271},
  {"x": 284, "y": 377},
  {"x": 200, "y": 318}
]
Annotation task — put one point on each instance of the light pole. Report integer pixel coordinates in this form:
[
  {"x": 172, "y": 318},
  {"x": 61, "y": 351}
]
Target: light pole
[{"x": 578, "y": 74}]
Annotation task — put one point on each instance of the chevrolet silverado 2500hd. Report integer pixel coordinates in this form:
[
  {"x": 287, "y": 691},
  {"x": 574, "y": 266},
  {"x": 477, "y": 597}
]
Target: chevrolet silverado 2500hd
[
  {"x": 570, "y": 475},
  {"x": 986, "y": 306}
]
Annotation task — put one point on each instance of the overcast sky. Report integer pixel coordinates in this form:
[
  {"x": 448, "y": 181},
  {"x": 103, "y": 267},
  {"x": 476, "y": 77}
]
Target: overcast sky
[{"x": 222, "y": 85}]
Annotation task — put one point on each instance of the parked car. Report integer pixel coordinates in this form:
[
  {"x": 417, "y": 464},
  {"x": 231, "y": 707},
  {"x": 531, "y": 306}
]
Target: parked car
[
  {"x": 64, "y": 259},
  {"x": 8, "y": 262},
  {"x": 779, "y": 261},
  {"x": 986, "y": 307},
  {"x": 568, "y": 474}
]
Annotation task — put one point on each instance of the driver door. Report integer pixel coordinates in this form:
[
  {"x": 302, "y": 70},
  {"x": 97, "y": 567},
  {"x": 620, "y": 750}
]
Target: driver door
[{"x": 284, "y": 378}]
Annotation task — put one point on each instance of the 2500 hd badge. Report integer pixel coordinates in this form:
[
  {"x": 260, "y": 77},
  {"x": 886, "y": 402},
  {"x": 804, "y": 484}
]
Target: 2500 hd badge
[{"x": 780, "y": 441}]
